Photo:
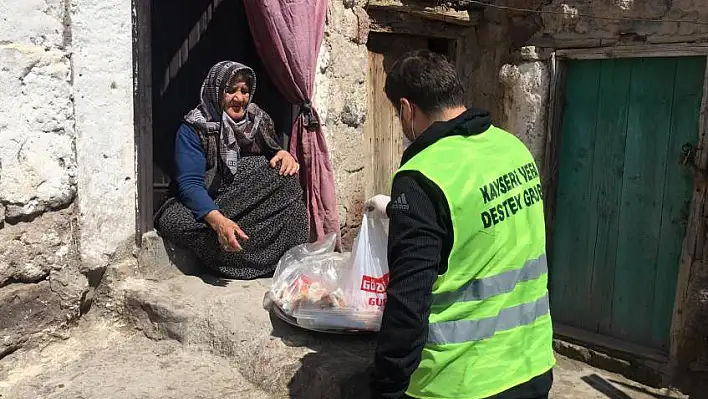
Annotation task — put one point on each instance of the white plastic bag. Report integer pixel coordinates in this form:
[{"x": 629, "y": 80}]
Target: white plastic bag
[
  {"x": 323, "y": 290},
  {"x": 367, "y": 277}
]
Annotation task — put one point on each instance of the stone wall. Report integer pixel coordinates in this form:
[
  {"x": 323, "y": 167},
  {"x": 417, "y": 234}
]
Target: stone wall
[
  {"x": 570, "y": 28},
  {"x": 341, "y": 98},
  {"x": 341, "y": 93},
  {"x": 40, "y": 283},
  {"x": 65, "y": 84}
]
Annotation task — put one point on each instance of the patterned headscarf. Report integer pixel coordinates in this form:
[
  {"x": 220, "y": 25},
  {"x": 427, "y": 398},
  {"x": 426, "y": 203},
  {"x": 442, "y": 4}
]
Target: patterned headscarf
[{"x": 210, "y": 118}]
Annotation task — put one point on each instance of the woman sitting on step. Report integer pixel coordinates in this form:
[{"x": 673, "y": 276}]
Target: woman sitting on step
[{"x": 239, "y": 205}]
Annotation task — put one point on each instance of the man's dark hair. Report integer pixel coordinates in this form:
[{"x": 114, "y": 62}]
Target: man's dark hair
[{"x": 427, "y": 80}]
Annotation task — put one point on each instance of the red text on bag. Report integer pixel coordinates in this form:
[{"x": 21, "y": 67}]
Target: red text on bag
[
  {"x": 376, "y": 301},
  {"x": 377, "y": 285}
]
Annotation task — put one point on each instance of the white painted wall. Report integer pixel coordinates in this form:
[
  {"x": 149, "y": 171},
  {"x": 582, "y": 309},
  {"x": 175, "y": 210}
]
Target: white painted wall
[{"x": 103, "y": 92}]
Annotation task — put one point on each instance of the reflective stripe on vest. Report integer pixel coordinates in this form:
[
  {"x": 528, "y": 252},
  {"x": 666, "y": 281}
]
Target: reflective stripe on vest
[
  {"x": 460, "y": 331},
  {"x": 488, "y": 287}
]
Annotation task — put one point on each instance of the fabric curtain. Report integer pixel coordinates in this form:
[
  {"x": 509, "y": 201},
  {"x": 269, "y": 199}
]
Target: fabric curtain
[{"x": 288, "y": 34}]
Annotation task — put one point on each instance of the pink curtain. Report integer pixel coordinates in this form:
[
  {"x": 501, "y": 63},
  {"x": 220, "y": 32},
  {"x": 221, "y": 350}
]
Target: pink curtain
[{"x": 288, "y": 34}]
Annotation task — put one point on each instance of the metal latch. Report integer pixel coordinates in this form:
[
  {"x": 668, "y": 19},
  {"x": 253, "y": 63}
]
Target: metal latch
[
  {"x": 689, "y": 159},
  {"x": 688, "y": 154}
]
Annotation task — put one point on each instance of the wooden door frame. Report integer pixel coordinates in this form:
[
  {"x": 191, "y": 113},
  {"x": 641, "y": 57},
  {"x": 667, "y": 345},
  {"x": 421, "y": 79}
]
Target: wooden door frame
[
  {"x": 695, "y": 237},
  {"x": 142, "y": 109}
]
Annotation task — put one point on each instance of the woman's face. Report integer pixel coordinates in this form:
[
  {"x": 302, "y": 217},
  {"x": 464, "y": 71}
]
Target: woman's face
[{"x": 236, "y": 99}]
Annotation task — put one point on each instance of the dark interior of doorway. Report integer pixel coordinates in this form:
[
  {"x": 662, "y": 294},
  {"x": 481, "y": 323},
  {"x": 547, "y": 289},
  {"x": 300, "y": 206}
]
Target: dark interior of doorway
[{"x": 187, "y": 38}]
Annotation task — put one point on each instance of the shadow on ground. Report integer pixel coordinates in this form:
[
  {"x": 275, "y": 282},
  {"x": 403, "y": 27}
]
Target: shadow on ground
[
  {"x": 608, "y": 388},
  {"x": 338, "y": 367}
]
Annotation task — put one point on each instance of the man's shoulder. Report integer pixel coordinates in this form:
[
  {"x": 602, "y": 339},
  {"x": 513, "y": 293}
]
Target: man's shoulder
[{"x": 412, "y": 183}]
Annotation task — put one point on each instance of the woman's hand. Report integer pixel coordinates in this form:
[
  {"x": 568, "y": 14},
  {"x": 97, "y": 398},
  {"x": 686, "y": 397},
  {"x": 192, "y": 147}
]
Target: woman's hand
[
  {"x": 288, "y": 165},
  {"x": 226, "y": 230}
]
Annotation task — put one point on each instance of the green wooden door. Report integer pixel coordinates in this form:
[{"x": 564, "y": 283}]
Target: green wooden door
[{"x": 623, "y": 194}]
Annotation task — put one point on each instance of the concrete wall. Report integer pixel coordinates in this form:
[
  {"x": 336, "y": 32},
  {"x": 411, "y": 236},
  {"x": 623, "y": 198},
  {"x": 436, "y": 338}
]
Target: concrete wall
[{"x": 65, "y": 88}]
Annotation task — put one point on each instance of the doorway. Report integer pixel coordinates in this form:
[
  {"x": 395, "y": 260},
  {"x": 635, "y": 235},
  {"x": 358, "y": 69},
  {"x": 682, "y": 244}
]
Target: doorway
[
  {"x": 187, "y": 37},
  {"x": 623, "y": 195},
  {"x": 382, "y": 130}
]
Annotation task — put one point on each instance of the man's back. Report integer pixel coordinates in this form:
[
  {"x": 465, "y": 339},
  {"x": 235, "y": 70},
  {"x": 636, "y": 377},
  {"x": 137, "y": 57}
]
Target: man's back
[
  {"x": 493, "y": 298},
  {"x": 467, "y": 309}
]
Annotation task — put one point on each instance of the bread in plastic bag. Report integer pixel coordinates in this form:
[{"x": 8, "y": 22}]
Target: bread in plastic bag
[{"x": 309, "y": 273}]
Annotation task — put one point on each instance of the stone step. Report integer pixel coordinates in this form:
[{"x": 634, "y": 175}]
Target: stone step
[
  {"x": 160, "y": 259},
  {"x": 227, "y": 318}
]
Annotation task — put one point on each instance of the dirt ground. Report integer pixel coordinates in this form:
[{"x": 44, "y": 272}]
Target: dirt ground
[{"x": 107, "y": 361}]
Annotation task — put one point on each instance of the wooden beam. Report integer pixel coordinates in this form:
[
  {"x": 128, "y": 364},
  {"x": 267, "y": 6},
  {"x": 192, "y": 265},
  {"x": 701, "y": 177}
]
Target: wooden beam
[
  {"x": 425, "y": 10},
  {"x": 407, "y": 24},
  {"x": 692, "y": 255},
  {"x": 614, "y": 346},
  {"x": 643, "y": 51},
  {"x": 142, "y": 107},
  {"x": 558, "y": 44},
  {"x": 553, "y": 138},
  {"x": 578, "y": 42}
]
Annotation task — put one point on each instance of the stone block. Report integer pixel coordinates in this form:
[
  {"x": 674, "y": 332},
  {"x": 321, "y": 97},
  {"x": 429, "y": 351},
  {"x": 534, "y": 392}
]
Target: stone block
[
  {"x": 27, "y": 309},
  {"x": 38, "y": 170},
  {"x": 33, "y": 22},
  {"x": 29, "y": 252},
  {"x": 160, "y": 259},
  {"x": 227, "y": 318}
]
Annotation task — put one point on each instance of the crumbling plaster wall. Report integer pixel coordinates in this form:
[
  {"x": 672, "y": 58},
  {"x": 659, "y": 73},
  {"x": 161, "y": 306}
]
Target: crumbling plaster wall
[
  {"x": 65, "y": 86},
  {"x": 105, "y": 137},
  {"x": 40, "y": 283}
]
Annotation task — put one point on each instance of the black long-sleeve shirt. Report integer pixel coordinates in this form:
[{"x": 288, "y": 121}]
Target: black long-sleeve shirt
[{"x": 420, "y": 240}]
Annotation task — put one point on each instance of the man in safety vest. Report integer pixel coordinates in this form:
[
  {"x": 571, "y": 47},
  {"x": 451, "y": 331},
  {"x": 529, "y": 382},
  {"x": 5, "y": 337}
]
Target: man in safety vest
[{"x": 467, "y": 313}]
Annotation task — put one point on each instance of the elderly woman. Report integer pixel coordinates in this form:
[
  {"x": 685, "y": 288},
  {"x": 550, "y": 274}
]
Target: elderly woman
[{"x": 240, "y": 205}]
